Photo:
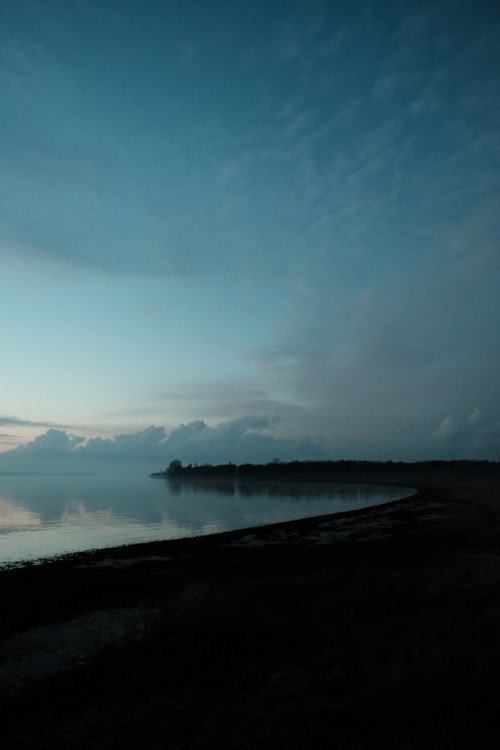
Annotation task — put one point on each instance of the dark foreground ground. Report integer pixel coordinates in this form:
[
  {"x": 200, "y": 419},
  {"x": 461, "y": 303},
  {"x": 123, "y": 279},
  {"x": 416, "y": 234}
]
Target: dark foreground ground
[{"x": 378, "y": 629}]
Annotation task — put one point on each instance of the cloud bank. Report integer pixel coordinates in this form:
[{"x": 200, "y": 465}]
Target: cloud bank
[
  {"x": 240, "y": 440},
  {"x": 252, "y": 439}
]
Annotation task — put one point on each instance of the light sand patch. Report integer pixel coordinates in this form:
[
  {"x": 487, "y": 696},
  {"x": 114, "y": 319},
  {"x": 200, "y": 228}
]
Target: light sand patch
[
  {"x": 50, "y": 649},
  {"x": 123, "y": 562},
  {"x": 377, "y": 528},
  {"x": 250, "y": 540}
]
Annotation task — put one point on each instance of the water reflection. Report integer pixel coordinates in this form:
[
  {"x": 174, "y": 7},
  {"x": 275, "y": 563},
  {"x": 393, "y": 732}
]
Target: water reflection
[
  {"x": 42, "y": 516},
  {"x": 277, "y": 489},
  {"x": 15, "y": 516}
]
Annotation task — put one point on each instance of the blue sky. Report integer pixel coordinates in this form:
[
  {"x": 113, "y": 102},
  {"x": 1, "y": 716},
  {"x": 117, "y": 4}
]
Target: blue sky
[{"x": 274, "y": 221}]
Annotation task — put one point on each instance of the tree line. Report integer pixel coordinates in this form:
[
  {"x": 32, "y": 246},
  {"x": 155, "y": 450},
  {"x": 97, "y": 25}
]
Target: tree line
[{"x": 298, "y": 469}]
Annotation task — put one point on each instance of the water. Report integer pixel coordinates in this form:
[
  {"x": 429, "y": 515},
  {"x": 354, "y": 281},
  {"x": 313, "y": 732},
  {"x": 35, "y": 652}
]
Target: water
[{"x": 42, "y": 516}]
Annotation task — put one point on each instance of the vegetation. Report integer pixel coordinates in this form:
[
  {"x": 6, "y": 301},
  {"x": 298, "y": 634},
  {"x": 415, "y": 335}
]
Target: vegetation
[{"x": 305, "y": 469}]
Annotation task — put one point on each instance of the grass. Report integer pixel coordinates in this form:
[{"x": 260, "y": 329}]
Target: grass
[{"x": 387, "y": 644}]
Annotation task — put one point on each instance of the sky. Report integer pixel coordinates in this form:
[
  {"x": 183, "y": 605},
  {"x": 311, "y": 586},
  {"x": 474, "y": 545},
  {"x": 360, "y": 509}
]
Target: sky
[{"x": 240, "y": 231}]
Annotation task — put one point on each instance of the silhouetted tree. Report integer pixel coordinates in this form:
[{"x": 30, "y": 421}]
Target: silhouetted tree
[{"x": 174, "y": 467}]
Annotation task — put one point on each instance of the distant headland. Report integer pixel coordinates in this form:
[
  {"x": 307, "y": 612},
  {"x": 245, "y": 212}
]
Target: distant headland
[{"x": 309, "y": 469}]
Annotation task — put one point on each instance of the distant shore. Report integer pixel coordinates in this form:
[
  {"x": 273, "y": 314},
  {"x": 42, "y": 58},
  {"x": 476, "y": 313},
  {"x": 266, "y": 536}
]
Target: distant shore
[{"x": 330, "y": 470}]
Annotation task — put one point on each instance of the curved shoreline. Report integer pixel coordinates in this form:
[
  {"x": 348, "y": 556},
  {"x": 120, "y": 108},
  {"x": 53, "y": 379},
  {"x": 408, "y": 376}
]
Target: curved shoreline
[
  {"x": 99, "y": 578},
  {"x": 208, "y": 628},
  {"x": 321, "y": 495}
]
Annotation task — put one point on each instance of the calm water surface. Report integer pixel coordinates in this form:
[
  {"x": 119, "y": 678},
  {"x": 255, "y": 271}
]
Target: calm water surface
[{"x": 42, "y": 516}]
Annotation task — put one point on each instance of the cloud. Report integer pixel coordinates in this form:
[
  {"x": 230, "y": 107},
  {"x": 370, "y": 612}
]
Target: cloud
[
  {"x": 22, "y": 426},
  {"x": 446, "y": 429},
  {"x": 8, "y": 437},
  {"x": 94, "y": 195},
  {"x": 247, "y": 439},
  {"x": 470, "y": 436},
  {"x": 377, "y": 373},
  {"x": 221, "y": 399},
  {"x": 17, "y": 422},
  {"x": 145, "y": 444},
  {"x": 52, "y": 444}
]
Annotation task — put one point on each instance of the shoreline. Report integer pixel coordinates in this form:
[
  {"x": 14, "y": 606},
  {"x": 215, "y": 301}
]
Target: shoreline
[
  {"x": 354, "y": 528},
  {"x": 375, "y": 576},
  {"x": 320, "y": 480}
]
